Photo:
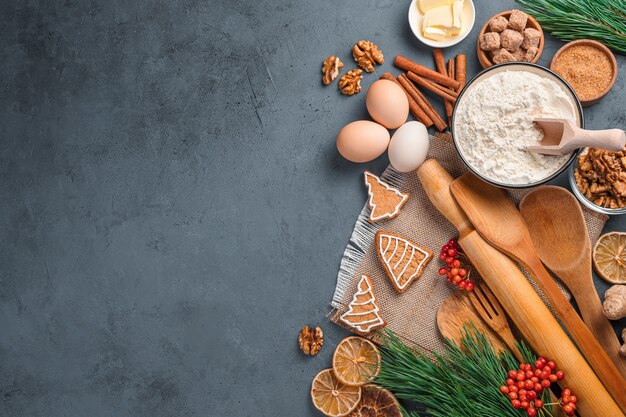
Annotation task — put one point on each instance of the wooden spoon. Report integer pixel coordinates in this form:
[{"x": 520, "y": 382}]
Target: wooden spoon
[
  {"x": 456, "y": 311},
  {"x": 497, "y": 220},
  {"x": 562, "y": 243}
]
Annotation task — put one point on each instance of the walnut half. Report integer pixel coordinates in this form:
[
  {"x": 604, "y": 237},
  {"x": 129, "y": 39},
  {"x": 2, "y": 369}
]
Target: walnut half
[
  {"x": 350, "y": 82},
  {"x": 366, "y": 54},
  {"x": 311, "y": 341},
  {"x": 331, "y": 69}
]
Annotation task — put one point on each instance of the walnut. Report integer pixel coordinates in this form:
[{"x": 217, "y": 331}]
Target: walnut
[
  {"x": 601, "y": 177},
  {"x": 331, "y": 69},
  {"x": 350, "y": 82},
  {"x": 366, "y": 54},
  {"x": 311, "y": 342}
]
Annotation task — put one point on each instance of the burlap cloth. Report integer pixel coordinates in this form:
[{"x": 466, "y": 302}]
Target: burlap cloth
[{"x": 412, "y": 315}]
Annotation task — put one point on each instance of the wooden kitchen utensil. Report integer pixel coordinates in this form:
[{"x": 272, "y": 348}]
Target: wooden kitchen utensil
[
  {"x": 562, "y": 243},
  {"x": 561, "y": 137},
  {"x": 497, "y": 220},
  {"x": 490, "y": 310},
  {"x": 457, "y": 311},
  {"x": 525, "y": 308}
]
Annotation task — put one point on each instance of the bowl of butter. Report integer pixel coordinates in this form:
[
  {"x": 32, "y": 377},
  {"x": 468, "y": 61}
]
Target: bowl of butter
[{"x": 441, "y": 23}]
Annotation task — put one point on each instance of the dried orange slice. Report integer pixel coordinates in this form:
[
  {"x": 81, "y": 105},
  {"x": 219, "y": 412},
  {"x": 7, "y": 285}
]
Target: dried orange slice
[
  {"x": 609, "y": 257},
  {"x": 376, "y": 402},
  {"x": 331, "y": 397},
  {"x": 356, "y": 361}
]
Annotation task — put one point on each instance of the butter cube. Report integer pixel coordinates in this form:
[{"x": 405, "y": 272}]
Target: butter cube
[
  {"x": 457, "y": 17},
  {"x": 426, "y": 5},
  {"x": 434, "y": 33},
  {"x": 439, "y": 17}
]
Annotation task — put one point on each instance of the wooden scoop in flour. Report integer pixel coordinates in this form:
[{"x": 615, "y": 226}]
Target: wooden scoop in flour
[
  {"x": 561, "y": 137},
  {"x": 563, "y": 245}
]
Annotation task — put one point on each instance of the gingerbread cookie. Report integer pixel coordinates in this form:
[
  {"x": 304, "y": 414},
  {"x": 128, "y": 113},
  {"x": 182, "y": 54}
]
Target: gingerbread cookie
[
  {"x": 403, "y": 260},
  {"x": 363, "y": 315},
  {"x": 384, "y": 200}
]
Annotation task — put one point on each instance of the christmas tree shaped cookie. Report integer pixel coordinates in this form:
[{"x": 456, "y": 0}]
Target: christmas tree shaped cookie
[
  {"x": 403, "y": 260},
  {"x": 363, "y": 315},
  {"x": 384, "y": 200}
]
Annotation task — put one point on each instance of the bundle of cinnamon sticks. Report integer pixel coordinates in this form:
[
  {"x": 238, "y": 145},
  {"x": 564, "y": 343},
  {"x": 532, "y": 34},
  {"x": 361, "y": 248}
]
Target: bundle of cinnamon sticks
[{"x": 446, "y": 82}]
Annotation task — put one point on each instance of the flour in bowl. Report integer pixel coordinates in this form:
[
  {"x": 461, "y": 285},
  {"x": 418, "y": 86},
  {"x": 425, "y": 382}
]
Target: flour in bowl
[{"x": 494, "y": 120}]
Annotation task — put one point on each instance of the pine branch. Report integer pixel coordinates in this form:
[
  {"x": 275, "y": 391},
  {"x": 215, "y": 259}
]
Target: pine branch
[
  {"x": 602, "y": 20},
  {"x": 462, "y": 382}
]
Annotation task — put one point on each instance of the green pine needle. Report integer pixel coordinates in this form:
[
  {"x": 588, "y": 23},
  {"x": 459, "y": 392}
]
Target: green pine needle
[
  {"x": 462, "y": 382},
  {"x": 601, "y": 20}
]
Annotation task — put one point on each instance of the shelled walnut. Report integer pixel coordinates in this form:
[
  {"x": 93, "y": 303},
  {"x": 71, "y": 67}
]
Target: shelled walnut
[
  {"x": 331, "y": 69},
  {"x": 601, "y": 177},
  {"x": 311, "y": 340},
  {"x": 350, "y": 82},
  {"x": 366, "y": 54}
]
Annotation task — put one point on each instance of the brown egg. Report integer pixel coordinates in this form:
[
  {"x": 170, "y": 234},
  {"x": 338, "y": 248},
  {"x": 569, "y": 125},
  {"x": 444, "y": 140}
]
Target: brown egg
[
  {"x": 387, "y": 104},
  {"x": 362, "y": 141}
]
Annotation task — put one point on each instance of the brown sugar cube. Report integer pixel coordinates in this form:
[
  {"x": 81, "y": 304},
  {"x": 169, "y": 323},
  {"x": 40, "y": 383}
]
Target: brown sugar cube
[
  {"x": 498, "y": 24},
  {"x": 489, "y": 41},
  {"x": 511, "y": 40},
  {"x": 519, "y": 55},
  {"x": 502, "y": 55},
  {"x": 518, "y": 20},
  {"x": 531, "y": 38},
  {"x": 530, "y": 53}
]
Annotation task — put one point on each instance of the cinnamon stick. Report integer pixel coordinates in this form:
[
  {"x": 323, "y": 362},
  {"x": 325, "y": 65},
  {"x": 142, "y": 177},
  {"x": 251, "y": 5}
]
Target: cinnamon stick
[
  {"x": 423, "y": 103},
  {"x": 416, "y": 110},
  {"x": 440, "y": 62},
  {"x": 449, "y": 105},
  {"x": 408, "y": 65},
  {"x": 461, "y": 71},
  {"x": 435, "y": 88}
]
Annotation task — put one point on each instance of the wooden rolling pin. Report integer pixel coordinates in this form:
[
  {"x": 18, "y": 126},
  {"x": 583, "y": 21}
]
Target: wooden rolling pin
[{"x": 520, "y": 300}]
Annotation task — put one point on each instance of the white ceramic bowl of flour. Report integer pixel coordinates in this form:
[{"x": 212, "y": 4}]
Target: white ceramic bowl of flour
[{"x": 492, "y": 122}]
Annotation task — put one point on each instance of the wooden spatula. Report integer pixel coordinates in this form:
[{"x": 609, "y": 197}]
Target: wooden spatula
[
  {"x": 562, "y": 243},
  {"x": 561, "y": 137},
  {"x": 497, "y": 219},
  {"x": 492, "y": 313}
]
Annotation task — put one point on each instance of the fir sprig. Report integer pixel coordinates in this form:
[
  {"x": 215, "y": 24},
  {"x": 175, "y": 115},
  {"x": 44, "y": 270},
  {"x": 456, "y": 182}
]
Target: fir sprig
[
  {"x": 602, "y": 20},
  {"x": 462, "y": 382}
]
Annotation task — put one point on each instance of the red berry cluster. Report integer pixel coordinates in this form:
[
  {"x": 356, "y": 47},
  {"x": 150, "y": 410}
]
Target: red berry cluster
[
  {"x": 568, "y": 401},
  {"x": 524, "y": 387},
  {"x": 451, "y": 254}
]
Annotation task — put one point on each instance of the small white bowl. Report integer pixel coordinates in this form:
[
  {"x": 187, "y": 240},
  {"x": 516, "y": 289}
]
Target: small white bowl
[{"x": 415, "y": 21}]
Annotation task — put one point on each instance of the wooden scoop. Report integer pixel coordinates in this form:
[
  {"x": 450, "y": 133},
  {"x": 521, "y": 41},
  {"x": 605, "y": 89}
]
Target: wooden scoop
[
  {"x": 561, "y": 137},
  {"x": 562, "y": 243},
  {"x": 497, "y": 220}
]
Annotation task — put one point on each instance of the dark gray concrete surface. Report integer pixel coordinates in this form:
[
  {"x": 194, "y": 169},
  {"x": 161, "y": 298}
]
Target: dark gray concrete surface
[{"x": 173, "y": 208}]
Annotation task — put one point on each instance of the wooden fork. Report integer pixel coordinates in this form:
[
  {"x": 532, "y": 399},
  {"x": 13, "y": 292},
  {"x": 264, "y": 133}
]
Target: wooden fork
[{"x": 490, "y": 310}]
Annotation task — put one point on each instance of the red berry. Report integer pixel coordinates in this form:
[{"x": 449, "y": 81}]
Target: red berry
[
  {"x": 462, "y": 283},
  {"x": 545, "y": 383},
  {"x": 553, "y": 378},
  {"x": 545, "y": 375},
  {"x": 531, "y": 395},
  {"x": 537, "y": 372},
  {"x": 513, "y": 395},
  {"x": 452, "y": 242},
  {"x": 528, "y": 367},
  {"x": 529, "y": 374},
  {"x": 572, "y": 399},
  {"x": 531, "y": 411},
  {"x": 516, "y": 403},
  {"x": 456, "y": 280},
  {"x": 456, "y": 263},
  {"x": 445, "y": 248},
  {"x": 568, "y": 408},
  {"x": 566, "y": 392},
  {"x": 547, "y": 369},
  {"x": 509, "y": 381},
  {"x": 469, "y": 286},
  {"x": 560, "y": 375},
  {"x": 522, "y": 366},
  {"x": 520, "y": 384},
  {"x": 551, "y": 364},
  {"x": 528, "y": 384},
  {"x": 449, "y": 260},
  {"x": 524, "y": 405},
  {"x": 535, "y": 379},
  {"x": 523, "y": 398},
  {"x": 443, "y": 271},
  {"x": 454, "y": 271},
  {"x": 566, "y": 399},
  {"x": 504, "y": 389},
  {"x": 513, "y": 388},
  {"x": 462, "y": 271},
  {"x": 452, "y": 252},
  {"x": 521, "y": 376},
  {"x": 538, "y": 403},
  {"x": 442, "y": 257}
]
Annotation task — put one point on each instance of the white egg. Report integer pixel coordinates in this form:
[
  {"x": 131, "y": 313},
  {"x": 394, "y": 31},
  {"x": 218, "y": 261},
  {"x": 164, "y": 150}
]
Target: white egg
[{"x": 408, "y": 147}]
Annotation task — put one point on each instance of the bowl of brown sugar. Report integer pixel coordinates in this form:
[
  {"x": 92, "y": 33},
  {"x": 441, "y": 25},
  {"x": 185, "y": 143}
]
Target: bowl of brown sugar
[{"x": 588, "y": 67}]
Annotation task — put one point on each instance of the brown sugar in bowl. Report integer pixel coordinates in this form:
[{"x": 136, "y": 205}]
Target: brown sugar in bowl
[
  {"x": 588, "y": 101},
  {"x": 484, "y": 59}
]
